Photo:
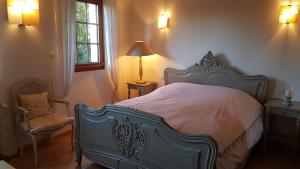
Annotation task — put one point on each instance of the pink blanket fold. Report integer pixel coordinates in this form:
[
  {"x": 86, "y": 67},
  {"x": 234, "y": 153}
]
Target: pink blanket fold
[{"x": 193, "y": 109}]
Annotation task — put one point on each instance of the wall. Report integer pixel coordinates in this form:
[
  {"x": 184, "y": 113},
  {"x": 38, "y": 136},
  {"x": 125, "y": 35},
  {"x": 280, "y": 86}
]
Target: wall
[
  {"x": 25, "y": 50},
  {"x": 26, "y": 53},
  {"x": 246, "y": 33},
  {"x": 124, "y": 40}
]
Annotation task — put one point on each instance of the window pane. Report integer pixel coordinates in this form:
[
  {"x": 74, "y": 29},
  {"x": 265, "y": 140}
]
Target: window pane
[
  {"x": 94, "y": 51},
  {"x": 93, "y": 33},
  {"x": 82, "y": 54},
  {"x": 81, "y": 11},
  {"x": 88, "y": 35},
  {"x": 92, "y": 11},
  {"x": 81, "y": 32}
]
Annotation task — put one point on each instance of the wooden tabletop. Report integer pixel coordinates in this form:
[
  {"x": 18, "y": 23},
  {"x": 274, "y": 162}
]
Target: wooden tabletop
[
  {"x": 278, "y": 103},
  {"x": 141, "y": 84}
]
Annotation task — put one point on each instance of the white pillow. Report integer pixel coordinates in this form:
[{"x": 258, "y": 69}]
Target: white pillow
[{"x": 37, "y": 104}]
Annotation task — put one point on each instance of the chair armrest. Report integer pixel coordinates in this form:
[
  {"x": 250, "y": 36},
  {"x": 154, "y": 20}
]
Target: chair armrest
[
  {"x": 66, "y": 103},
  {"x": 24, "y": 113},
  {"x": 22, "y": 110},
  {"x": 4, "y": 106}
]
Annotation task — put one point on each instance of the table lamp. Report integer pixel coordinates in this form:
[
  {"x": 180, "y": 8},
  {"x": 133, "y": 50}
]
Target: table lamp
[{"x": 140, "y": 48}]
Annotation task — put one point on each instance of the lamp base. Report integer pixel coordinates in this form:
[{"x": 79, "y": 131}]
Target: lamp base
[
  {"x": 141, "y": 81},
  {"x": 288, "y": 101}
]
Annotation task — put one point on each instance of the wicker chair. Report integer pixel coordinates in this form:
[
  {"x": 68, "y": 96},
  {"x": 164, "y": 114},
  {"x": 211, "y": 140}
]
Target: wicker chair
[{"x": 45, "y": 123}]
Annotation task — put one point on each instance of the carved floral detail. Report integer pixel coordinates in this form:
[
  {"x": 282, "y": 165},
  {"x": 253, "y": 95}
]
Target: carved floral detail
[
  {"x": 130, "y": 137},
  {"x": 209, "y": 62}
]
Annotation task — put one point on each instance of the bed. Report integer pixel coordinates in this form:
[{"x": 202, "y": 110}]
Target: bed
[{"x": 129, "y": 138}]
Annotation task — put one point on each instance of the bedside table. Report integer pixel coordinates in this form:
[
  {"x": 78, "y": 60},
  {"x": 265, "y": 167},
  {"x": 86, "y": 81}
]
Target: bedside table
[
  {"x": 142, "y": 88},
  {"x": 276, "y": 107}
]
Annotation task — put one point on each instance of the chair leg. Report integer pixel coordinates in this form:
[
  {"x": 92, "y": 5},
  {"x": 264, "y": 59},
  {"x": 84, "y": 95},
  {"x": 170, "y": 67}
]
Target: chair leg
[
  {"x": 21, "y": 149},
  {"x": 78, "y": 149},
  {"x": 20, "y": 141},
  {"x": 78, "y": 156},
  {"x": 72, "y": 137},
  {"x": 50, "y": 139},
  {"x": 35, "y": 149}
]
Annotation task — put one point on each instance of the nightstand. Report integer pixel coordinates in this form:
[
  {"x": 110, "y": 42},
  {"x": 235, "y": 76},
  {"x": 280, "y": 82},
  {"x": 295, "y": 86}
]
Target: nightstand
[
  {"x": 142, "y": 88},
  {"x": 276, "y": 107}
]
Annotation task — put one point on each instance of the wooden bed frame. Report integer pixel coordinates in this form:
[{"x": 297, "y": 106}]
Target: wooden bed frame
[{"x": 125, "y": 138}]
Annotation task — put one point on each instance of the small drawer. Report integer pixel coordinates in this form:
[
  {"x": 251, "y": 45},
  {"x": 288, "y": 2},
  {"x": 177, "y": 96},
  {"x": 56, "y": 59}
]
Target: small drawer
[{"x": 286, "y": 113}]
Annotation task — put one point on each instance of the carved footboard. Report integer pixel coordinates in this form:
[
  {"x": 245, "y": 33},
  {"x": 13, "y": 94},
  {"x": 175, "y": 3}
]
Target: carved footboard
[{"x": 124, "y": 138}]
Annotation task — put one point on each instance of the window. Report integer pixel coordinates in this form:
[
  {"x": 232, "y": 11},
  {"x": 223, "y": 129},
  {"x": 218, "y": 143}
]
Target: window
[{"x": 89, "y": 35}]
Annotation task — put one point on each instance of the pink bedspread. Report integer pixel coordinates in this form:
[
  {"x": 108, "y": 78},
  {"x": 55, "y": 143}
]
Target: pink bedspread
[{"x": 193, "y": 109}]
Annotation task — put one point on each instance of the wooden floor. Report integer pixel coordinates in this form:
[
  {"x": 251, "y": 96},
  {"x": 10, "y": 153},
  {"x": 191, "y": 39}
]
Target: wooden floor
[
  {"x": 277, "y": 156},
  {"x": 59, "y": 155},
  {"x": 55, "y": 155}
]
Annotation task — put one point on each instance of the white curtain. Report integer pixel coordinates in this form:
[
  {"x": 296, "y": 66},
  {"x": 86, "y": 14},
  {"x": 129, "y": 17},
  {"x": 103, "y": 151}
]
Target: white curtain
[
  {"x": 65, "y": 29},
  {"x": 8, "y": 145},
  {"x": 111, "y": 43}
]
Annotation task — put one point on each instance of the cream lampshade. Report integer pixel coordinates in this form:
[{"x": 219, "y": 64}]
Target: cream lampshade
[{"x": 140, "y": 48}]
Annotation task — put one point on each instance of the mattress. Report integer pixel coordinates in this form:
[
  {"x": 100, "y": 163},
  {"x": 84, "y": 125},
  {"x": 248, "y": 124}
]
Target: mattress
[{"x": 230, "y": 116}]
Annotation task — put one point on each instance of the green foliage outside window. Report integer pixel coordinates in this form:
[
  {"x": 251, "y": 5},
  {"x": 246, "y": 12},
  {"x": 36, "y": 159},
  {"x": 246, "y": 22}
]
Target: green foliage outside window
[
  {"x": 81, "y": 12},
  {"x": 82, "y": 33}
]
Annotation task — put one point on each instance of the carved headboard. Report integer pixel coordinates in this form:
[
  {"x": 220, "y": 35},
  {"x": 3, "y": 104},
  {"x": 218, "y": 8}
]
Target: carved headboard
[{"x": 210, "y": 72}]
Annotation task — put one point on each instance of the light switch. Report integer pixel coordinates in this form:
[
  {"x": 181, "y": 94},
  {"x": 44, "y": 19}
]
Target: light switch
[{"x": 52, "y": 54}]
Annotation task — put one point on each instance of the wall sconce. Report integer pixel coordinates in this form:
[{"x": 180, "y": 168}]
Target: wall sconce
[
  {"x": 288, "y": 14},
  {"x": 163, "y": 20},
  {"x": 23, "y": 12}
]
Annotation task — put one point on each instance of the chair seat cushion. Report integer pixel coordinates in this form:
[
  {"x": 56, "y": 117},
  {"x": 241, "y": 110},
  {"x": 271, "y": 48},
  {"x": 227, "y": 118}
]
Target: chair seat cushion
[{"x": 47, "y": 123}]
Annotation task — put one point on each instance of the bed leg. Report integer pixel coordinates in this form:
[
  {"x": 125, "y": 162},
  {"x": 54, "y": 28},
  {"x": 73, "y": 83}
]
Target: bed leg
[{"x": 78, "y": 156}]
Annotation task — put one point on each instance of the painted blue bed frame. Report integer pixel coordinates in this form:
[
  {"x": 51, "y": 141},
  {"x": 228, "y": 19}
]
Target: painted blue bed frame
[{"x": 124, "y": 138}]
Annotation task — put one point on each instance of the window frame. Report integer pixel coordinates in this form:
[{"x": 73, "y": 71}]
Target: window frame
[{"x": 94, "y": 66}]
